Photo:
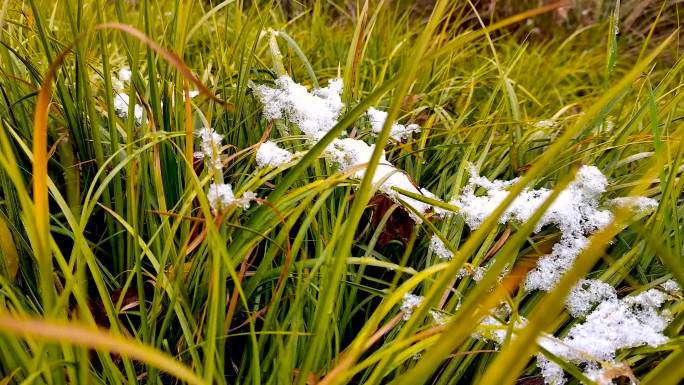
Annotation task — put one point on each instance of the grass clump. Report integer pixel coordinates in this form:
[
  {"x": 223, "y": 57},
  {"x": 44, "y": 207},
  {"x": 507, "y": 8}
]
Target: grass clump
[{"x": 264, "y": 193}]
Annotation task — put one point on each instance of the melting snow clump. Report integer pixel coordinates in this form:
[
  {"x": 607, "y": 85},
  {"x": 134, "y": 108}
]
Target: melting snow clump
[
  {"x": 246, "y": 200},
  {"x": 410, "y": 302},
  {"x": 492, "y": 327},
  {"x": 398, "y": 131},
  {"x": 315, "y": 113},
  {"x": 121, "y": 100},
  {"x": 269, "y": 154}
]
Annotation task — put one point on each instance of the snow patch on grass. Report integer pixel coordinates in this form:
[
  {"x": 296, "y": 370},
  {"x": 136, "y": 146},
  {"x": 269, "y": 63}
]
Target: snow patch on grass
[
  {"x": 615, "y": 324},
  {"x": 409, "y": 303},
  {"x": 398, "y": 131},
  {"x": 220, "y": 196},
  {"x": 576, "y": 213},
  {"x": 121, "y": 102},
  {"x": 315, "y": 113},
  {"x": 439, "y": 248},
  {"x": 270, "y": 154},
  {"x": 350, "y": 153},
  {"x": 586, "y": 294},
  {"x": 210, "y": 147}
]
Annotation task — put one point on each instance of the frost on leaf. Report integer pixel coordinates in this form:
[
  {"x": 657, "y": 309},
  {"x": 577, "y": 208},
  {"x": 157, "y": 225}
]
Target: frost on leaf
[
  {"x": 398, "y": 131},
  {"x": 270, "y": 155},
  {"x": 315, "y": 113},
  {"x": 615, "y": 324}
]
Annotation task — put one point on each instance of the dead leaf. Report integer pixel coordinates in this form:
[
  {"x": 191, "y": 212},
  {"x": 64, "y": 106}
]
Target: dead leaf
[{"x": 399, "y": 226}]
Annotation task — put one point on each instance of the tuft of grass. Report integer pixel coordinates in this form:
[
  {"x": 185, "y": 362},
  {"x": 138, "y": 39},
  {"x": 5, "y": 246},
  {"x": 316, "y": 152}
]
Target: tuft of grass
[{"x": 116, "y": 270}]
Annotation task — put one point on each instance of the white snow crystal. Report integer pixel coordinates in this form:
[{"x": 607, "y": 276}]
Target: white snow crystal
[
  {"x": 220, "y": 196},
  {"x": 671, "y": 287},
  {"x": 492, "y": 328},
  {"x": 210, "y": 147},
  {"x": 638, "y": 204},
  {"x": 439, "y": 317},
  {"x": 269, "y": 154},
  {"x": 348, "y": 153},
  {"x": 125, "y": 74},
  {"x": 575, "y": 212},
  {"x": 439, "y": 248},
  {"x": 313, "y": 112},
  {"x": 398, "y": 131},
  {"x": 586, "y": 294},
  {"x": 410, "y": 302},
  {"x": 552, "y": 373},
  {"x": 550, "y": 268},
  {"x": 246, "y": 199},
  {"x": 476, "y": 272},
  {"x": 615, "y": 324},
  {"x": 121, "y": 102}
]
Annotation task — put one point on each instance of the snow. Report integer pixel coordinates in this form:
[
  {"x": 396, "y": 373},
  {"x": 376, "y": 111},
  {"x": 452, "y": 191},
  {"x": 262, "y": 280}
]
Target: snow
[
  {"x": 220, "y": 196},
  {"x": 121, "y": 103},
  {"x": 492, "y": 327},
  {"x": 270, "y": 155},
  {"x": 398, "y": 131},
  {"x": 246, "y": 200},
  {"x": 672, "y": 288},
  {"x": 210, "y": 147},
  {"x": 409, "y": 303},
  {"x": 615, "y": 324},
  {"x": 638, "y": 204},
  {"x": 586, "y": 294},
  {"x": 315, "y": 113},
  {"x": 125, "y": 74},
  {"x": 351, "y": 153},
  {"x": 439, "y": 248},
  {"x": 575, "y": 212}
]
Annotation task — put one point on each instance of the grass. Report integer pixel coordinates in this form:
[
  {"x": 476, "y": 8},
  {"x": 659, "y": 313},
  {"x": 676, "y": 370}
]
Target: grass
[{"x": 115, "y": 270}]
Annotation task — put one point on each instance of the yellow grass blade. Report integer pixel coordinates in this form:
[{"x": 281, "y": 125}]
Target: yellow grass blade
[{"x": 100, "y": 340}]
